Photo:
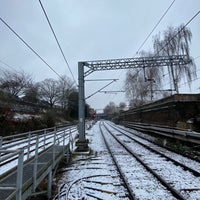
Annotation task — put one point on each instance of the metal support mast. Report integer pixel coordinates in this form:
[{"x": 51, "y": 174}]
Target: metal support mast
[
  {"x": 114, "y": 64},
  {"x": 82, "y": 144}
]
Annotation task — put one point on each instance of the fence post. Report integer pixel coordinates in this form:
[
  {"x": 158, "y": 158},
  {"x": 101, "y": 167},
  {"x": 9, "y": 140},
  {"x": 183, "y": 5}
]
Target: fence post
[
  {"x": 54, "y": 148},
  {"x": 19, "y": 175},
  {"x": 63, "y": 140},
  {"x": 29, "y": 144},
  {"x": 49, "y": 186},
  {"x": 1, "y": 141},
  {"x": 35, "y": 164},
  {"x": 71, "y": 138},
  {"x": 45, "y": 134}
]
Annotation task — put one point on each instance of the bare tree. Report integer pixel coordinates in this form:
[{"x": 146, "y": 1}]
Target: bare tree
[
  {"x": 136, "y": 89},
  {"x": 15, "y": 82},
  {"x": 110, "y": 110},
  {"x": 176, "y": 41},
  {"x": 140, "y": 85},
  {"x": 122, "y": 105},
  {"x": 31, "y": 94},
  {"x": 49, "y": 91},
  {"x": 66, "y": 87},
  {"x": 152, "y": 75}
]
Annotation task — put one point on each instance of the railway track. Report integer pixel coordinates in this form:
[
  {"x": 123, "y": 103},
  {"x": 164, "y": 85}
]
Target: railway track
[
  {"x": 125, "y": 166},
  {"x": 181, "y": 179},
  {"x": 185, "y": 162},
  {"x": 92, "y": 177}
]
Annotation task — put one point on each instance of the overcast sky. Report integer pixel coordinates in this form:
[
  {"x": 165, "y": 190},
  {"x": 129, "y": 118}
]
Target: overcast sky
[{"x": 89, "y": 30}]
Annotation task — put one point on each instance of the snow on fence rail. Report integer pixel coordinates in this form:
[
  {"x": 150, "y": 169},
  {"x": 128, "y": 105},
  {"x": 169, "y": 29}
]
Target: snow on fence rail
[
  {"x": 32, "y": 143},
  {"x": 18, "y": 185}
]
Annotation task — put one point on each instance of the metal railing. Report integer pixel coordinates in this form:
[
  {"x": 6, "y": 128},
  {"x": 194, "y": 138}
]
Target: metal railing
[
  {"x": 18, "y": 185},
  {"x": 24, "y": 148}
]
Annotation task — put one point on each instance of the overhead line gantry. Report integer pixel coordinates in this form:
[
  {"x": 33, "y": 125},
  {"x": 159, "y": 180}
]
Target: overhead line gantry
[{"x": 85, "y": 68}]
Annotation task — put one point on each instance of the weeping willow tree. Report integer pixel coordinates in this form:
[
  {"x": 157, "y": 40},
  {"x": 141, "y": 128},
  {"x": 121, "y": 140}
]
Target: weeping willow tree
[{"x": 175, "y": 41}]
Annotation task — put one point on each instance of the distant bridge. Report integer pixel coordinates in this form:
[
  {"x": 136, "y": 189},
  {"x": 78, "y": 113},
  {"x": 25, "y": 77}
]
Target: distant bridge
[{"x": 28, "y": 159}]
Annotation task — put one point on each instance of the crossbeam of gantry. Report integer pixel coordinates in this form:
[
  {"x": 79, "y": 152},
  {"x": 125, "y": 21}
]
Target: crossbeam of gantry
[
  {"x": 115, "y": 64},
  {"x": 140, "y": 62}
]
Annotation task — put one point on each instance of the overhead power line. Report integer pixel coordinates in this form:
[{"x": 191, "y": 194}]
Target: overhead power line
[
  {"x": 37, "y": 54},
  {"x": 178, "y": 33},
  {"x": 155, "y": 27},
  {"x": 153, "y": 30},
  {"x": 7, "y": 65},
  {"x": 56, "y": 39},
  {"x": 180, "y": 30}
]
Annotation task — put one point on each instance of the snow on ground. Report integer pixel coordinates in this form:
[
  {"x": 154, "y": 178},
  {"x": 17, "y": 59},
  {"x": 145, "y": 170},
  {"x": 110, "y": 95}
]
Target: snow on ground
[
  {"x": 19, "y": 116},
  {"x": 93, "y": 175}
]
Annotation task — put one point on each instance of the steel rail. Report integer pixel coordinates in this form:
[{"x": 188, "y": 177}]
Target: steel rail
[
  {"x": 66, "y": 193},
  {"x": 161, "y": 180},
  {"x": 194, "y": 172},
  {"x": 130, "y": 192}
]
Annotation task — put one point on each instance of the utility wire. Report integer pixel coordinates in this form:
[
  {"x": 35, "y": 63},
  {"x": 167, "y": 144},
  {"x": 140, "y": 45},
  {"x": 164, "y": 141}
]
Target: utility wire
[
  {"x": 30, "y": 48},
  {"x": 186, "y": 82},
  {"x": 180, "y": 30},
  {"x": 6, "y": 65},
  {"x": 153, "y": 30},
  {"x": 174, "y": 35},
  {"x": 56, "y": 40},
  {"x": 196, "y": 78},
  {"x": 101, "y": 89},
  {"x": 155, "y": 27},
  {"x": 11, "y": 67},
  {"x": 177, "y": 34}
]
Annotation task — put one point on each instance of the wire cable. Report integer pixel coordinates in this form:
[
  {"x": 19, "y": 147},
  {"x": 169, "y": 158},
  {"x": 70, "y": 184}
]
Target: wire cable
[
  {"x": 56, "y": 40},
  {"x": 30, "y": 47},
  {"x": 7, "y": 66},
  {"x": 155, "y": 27},
  {"x": 180, "y": 31},
  {"x": 177, "y": 34}
]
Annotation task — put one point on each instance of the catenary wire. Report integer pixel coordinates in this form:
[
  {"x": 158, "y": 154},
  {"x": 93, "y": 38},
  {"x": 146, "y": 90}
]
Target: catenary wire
[
  {"x": 57, "y": 40},
  {"x": 155, "y": 27},
  {"x": 26, "y": 44},
  {"x": 177, "y": 34},
  {"x": 11, "y": 67},
  {"x": 186, "y": 82},
  {"x": 179, "y": 31}
]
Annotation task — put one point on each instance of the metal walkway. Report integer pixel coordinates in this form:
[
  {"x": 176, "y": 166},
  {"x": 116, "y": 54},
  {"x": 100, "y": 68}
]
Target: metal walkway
[{"x": 33, "y": 162}]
